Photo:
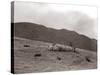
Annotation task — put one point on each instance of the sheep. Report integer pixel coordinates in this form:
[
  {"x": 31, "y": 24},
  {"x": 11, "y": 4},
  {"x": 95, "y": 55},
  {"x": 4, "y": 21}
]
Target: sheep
[
  {"x": 57, "y": 47},
  {"x": 62, "y": 48},
  {"x": 53, "y": 47}
]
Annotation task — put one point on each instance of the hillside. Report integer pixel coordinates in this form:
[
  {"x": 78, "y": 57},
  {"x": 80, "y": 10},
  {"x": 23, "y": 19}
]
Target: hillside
[
  {"x": 39, "y": 32},
  {"x": 26, "y": 61}
]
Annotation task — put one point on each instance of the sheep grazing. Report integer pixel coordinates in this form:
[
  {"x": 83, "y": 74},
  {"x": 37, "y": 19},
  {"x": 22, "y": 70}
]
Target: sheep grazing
[
  {"x": 57, "y": 47},
  {"x": 53, "y": 47},
  {"x": 62, "y": 48}
]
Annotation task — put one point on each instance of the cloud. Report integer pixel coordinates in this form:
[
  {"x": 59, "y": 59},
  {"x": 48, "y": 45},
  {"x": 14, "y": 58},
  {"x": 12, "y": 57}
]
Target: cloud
[{"x": 81, "y": 19}]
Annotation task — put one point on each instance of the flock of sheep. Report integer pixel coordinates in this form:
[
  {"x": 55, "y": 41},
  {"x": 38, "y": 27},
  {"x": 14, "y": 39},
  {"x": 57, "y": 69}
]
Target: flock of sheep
[
  {"x": 63, "y": 48},
  {"x": 59, "y": 48}
]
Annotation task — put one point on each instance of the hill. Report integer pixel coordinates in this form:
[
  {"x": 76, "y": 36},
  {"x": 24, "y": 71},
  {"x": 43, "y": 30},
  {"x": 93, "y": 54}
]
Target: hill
[
  {"x": 41, "y": 33},
  {"x": 26, "y": 61}
]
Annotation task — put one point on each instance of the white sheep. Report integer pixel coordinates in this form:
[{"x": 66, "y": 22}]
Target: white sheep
[{"x": 57, "y": 47}]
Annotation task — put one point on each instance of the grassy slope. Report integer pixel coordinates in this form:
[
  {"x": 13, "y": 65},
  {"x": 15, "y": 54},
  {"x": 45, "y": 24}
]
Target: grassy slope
[{"x": 25, "y": 62}]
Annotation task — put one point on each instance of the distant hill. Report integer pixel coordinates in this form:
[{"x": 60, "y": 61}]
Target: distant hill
[{"x": 39, "y": 32}]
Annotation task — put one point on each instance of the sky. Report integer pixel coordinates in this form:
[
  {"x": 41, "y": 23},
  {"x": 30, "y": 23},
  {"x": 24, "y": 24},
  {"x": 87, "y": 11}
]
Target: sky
[{"x": 82, "y": 19}]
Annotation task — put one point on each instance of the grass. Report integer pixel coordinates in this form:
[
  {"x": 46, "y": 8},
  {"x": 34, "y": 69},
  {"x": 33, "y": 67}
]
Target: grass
[{"x": 37, "y": 57}]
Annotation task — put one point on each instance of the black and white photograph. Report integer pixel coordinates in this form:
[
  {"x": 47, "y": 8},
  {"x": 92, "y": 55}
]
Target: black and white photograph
[{"x": 50, "y": 37}]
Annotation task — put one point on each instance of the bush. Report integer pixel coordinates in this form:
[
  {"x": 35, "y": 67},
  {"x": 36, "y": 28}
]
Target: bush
[
  {"x": 37, "y": 55},
  {"x": 26, "y": 45}
]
